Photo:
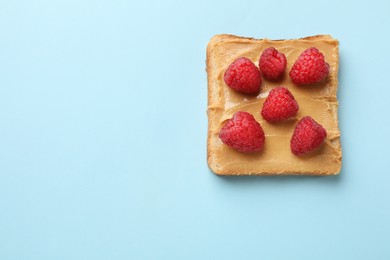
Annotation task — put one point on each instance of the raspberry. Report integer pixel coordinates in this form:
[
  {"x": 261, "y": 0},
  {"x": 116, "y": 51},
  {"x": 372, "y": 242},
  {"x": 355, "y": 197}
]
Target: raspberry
[
  {"x": 272, "y": 63},
  {"x": 308, "y": 136},
  {"x": 243, "y": 76},
  {"x": 243, "y": 133},
  {"x": 279, "y": 105},
  {"x": 310, "y": 67}
]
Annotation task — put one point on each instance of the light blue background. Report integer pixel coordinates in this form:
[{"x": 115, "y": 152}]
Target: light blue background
[{"x": 103, "y": 135}]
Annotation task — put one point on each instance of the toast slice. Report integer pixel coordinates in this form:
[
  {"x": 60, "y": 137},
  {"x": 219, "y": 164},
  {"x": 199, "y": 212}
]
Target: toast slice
[{"x": 316, "y": 100}]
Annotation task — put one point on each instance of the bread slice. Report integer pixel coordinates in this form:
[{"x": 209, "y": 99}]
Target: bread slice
[{"x": 317, "y": 100}]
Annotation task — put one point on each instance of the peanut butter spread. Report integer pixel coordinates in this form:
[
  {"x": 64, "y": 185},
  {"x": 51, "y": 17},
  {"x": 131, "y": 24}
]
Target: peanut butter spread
[{"x": 317, "y": 100}]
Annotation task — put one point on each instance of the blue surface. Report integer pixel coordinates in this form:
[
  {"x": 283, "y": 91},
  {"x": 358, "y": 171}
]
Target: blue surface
[{"x": 103, "y": 135}]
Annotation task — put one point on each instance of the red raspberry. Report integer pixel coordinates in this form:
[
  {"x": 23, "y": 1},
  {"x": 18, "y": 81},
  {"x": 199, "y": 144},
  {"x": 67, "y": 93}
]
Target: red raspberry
[
  {"x": 243, "y": 133},
  {"x": 243, "y": 76},
  {"x": 279, "y": 105},
  {"x": 308, "y": 136},
  {"x": 272, "y": 63},
  {"x": 310, "y": 67}
]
